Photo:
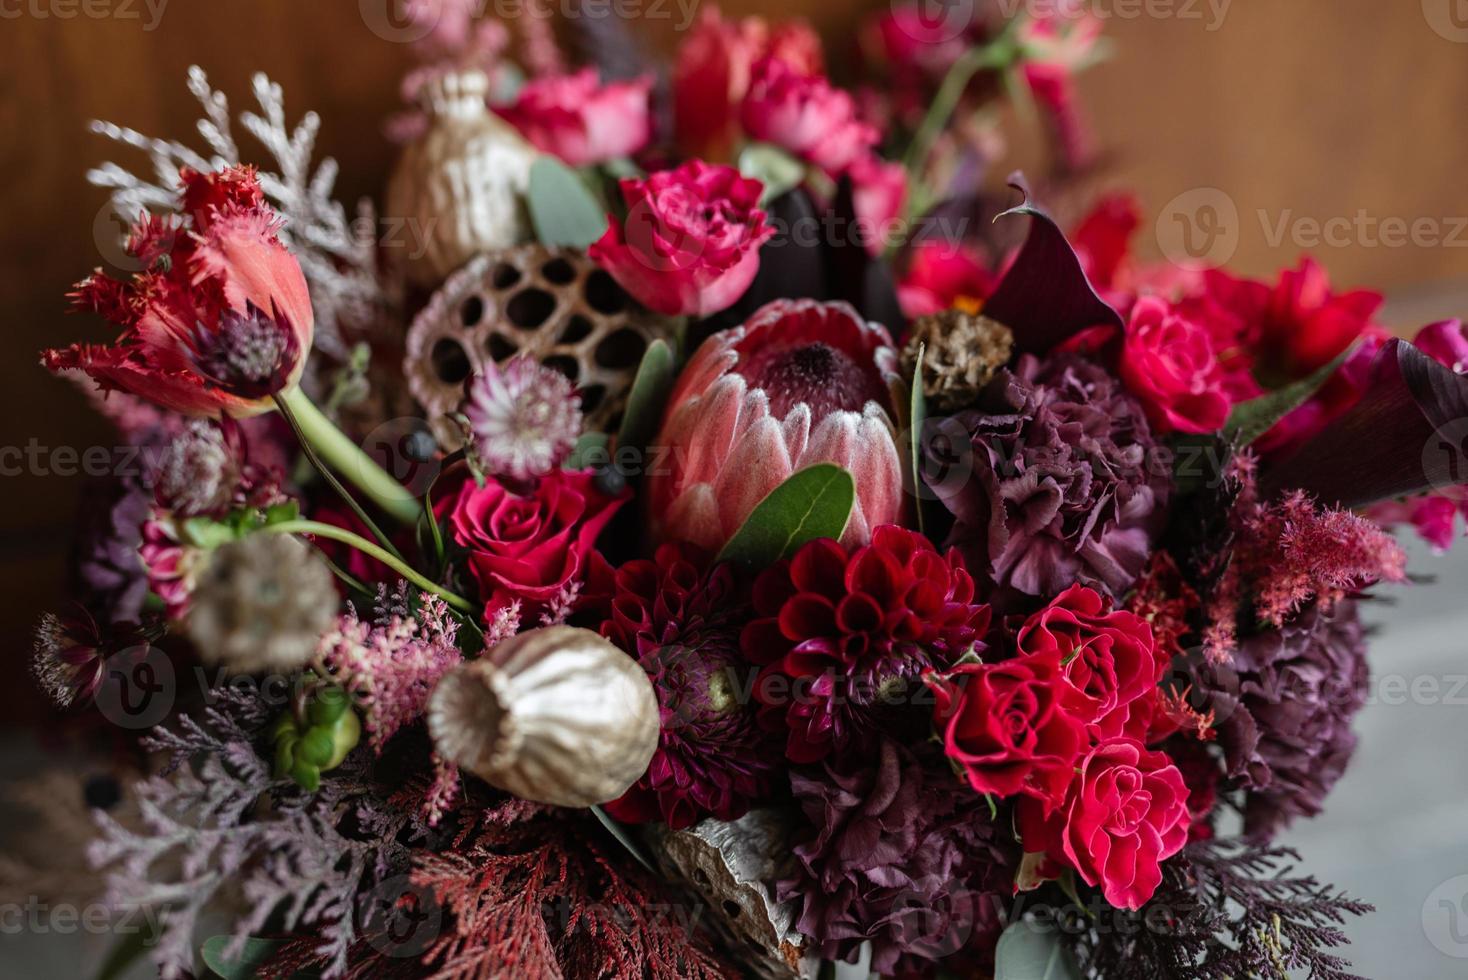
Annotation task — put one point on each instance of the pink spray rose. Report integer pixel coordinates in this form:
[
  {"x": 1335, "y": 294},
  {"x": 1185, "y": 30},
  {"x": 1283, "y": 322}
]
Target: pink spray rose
[
  {"x": 879, "y": 191},
  {"x": 1169, "y": 363},
  {"x": 800, "y": 383},
  {"x": 806, "y": 115},
  {"x": 581, "y": 120},
  {"x": 690, "y": 244},
  {"x": 1126, "y": 813}
]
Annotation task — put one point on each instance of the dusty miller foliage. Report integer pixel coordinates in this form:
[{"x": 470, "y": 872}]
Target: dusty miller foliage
[
  {"x": 1226, "y": 910},
  {"x": 338, "y": 256},
  {"x": 219, "y": 824}
]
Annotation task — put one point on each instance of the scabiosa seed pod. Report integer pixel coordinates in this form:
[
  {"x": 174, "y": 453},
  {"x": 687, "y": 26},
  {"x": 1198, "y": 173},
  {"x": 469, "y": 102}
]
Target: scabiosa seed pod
[
  {"x": 524, "y": 417},
  {"x": 555, "y": 715},
  {"x": 961, "y": 353},
  {"x": 262, "y": 604}
]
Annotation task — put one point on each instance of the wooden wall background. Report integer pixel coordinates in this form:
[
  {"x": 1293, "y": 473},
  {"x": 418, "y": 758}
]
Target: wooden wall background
[{"x": 1312, "y": 108}]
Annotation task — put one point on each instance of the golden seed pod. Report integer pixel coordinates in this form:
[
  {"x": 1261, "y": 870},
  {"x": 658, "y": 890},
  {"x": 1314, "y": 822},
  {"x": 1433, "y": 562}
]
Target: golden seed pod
[{"x": 555, "y": 715}]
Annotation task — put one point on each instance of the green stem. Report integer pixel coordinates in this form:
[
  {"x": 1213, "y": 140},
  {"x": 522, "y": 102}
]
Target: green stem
[
  {"x": 371, "y": 549},
  {"x": 975, "y": 60},
  {"x": 348, "y": 459}
]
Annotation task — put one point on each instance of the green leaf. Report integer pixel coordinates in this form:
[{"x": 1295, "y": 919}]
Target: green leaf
[
  {"x": 562, "y": 209},
  {"x": 773, "y": 167},
  {"x": 814, "y": 503},
  {"x": 1028, "y": 951},
  {"x": 916, "y": 414},
  {"x": 650, "y": 389},
  {"x": 623, "y": 837},
  {"x": 589, "y": 450},
  {"x": 246, "y": 965},
  {"x": 1251, "y": 419}
]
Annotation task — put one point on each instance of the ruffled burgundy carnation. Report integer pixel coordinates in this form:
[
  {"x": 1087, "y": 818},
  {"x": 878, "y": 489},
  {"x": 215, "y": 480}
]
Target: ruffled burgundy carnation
[
  {"x": 680, "y": 620},
  {"x": 843, "y": 639},
  {"x": 1287, "y": 733},
  {"x": 1066, "y": 484},
  {"x": 900, "y": 853}
]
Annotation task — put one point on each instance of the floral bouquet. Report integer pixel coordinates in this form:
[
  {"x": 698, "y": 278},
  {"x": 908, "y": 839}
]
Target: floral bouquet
[{"x": 696, "y": 532}]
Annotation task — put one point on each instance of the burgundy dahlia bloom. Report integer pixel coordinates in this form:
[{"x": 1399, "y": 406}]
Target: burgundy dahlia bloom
[
  {"x": 843, "y": 639},
  {"x": 1286, "y": 724},
  {"x": 901, "y": 854},
  {"x": 679, "y": 618},
  {"x": 1066, "y": 484}
]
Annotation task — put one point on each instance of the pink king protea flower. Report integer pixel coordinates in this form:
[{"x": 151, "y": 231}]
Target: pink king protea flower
[{"x": 800, "y": 383}]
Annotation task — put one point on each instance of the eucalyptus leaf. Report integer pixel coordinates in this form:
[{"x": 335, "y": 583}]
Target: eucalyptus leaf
[
  {"x": 1251, "y": 419},
  {"x": 1028, "y": 951},
  {"x": 773, "y": 167},
  {"x": 813, "y": 503},
  {"x": 589, "y": 450},
  {"x": 563, "y": 210},
  {"x": 650, "y": 389},
  {"x": 246, "y": 965}
]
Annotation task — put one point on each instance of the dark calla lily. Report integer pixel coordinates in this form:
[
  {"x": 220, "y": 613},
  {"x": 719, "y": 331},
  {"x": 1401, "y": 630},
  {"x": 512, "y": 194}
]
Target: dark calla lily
[
  {"x": 1045, "y": 297},
  {"x": 1407, "y": 434}
]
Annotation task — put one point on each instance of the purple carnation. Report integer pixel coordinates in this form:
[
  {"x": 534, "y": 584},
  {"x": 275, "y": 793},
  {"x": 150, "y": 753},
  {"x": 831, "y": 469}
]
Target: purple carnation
[
  {"x": 899, "y": 854},
  {"x": 106, "y": 572},
  {"x": 1065, "y": 487},
  {"x": 1287, "y": 735}
]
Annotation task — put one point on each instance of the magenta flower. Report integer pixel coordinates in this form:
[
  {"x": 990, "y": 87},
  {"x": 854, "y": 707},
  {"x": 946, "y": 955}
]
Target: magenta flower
[
  {"x": 807, "y": 115},
  {"x": 525, "y": 419},
  {"x": 581, "y": 120},
  {"x": 800, "y": 383}
]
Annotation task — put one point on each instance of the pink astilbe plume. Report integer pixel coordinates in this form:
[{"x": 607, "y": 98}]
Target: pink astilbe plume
[
  {"x": 1288, "y": 553},
  {"x": 392, "y": 663}
]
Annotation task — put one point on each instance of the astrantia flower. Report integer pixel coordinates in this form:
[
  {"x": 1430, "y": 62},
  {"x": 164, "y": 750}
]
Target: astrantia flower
[
  {"x": 800, "y": 383},
  {"x": 1285, "y": 711},
  {"x": 845, "y": 638},
  {"x": 71, "y": 653},
  {"x": 900, "y": 854},
  {"x": 680, "y": 619},
  {"x": 218, "y": 320},
  {"x": 525, "y": 418},
  {"x": 1066, "y": 484},
  {"x": 262, "y": 604}
]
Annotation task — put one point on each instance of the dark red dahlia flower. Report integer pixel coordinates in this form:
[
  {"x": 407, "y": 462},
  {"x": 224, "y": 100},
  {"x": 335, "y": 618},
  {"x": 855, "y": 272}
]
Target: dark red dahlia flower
[
  {"x": 680, "y": 618},
  {"x": 843, "y": 639}
]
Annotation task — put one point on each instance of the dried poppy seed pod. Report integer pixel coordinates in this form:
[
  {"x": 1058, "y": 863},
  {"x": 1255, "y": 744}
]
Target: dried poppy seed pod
[{"x": 555, "y": 715}]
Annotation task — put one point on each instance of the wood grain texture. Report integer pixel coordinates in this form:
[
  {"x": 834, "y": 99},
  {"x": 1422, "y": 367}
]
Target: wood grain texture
[{"x": 1313, "y": 108}]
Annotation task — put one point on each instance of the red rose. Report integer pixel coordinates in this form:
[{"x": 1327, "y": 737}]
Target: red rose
[
  {"x": 690, "y": 244},
  {"x": 807, "y": 115},
  {"x": 1109, "y": 656},
  {"x": 1168, "y": 361},
  {"x": 1125, "y": 814},
  {"x": 530, "y": 548},
  {"x": 580, "y": 120},
  {"x": 1014, "y": 727}
]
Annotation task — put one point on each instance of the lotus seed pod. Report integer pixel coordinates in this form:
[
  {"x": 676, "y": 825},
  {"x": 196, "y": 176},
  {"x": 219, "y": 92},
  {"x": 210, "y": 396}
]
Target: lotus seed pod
[{"x": 555, "y": 715}]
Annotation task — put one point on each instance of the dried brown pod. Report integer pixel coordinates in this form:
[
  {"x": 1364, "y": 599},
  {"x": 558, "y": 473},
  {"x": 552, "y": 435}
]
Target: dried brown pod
[
  {"x": 552, "y": 304},
  {"x": 962, "y": 353},
  {"x": 458, "y": 189},
  {"x": 555, "y": 715},
  {"x": 732, "y": 865}
]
